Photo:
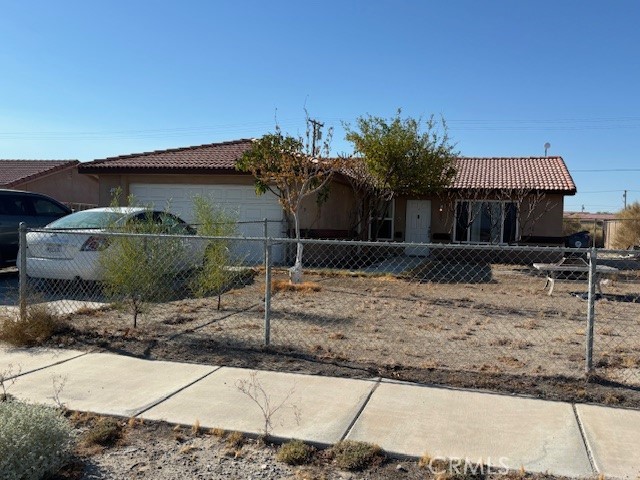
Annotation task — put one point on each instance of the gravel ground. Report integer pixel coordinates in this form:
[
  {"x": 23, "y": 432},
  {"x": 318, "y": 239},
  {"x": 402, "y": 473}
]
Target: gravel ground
[{"x": 159, "y": 451}]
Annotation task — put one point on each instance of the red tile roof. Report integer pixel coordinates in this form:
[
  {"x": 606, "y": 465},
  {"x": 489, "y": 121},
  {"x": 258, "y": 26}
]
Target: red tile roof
[
  {"x": 537, "y": 173},
  {"x": 511, "y": 173},
  {"x": 201, "y": 158},
  {"x": 15, "y": 172}
]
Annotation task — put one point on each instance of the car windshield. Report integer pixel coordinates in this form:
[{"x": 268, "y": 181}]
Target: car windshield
[{"x": 87, "y": 219}]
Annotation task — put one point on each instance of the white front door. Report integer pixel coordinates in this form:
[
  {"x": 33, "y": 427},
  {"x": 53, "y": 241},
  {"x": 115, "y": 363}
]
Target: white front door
[{"x": 418, "y": 226}]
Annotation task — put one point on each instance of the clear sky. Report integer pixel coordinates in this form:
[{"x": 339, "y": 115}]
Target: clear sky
[{"x": 87, "y": 79}]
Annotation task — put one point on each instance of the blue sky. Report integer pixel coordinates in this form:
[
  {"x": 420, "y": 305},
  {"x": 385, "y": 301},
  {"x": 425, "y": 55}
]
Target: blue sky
[{"x": 88, "y": 80}]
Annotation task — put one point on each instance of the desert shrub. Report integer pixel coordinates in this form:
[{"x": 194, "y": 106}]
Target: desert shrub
[
  {"x": 35, "y": 328},
  {"x": 137, "y": 268},
  {"x": 628, "y": 232},
  {"x": 571, "y": 225},
  {"x": 105, "y": 432},
  {"x": 352, "y": 455},
  {"x": 35, "y": 441},
  {"x": 295, "y": 452},
  {"x": 212, "y": 221}
]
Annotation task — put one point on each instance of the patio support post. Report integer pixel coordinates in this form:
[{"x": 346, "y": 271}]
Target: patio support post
[
  {"x": 593, "y": 278},
  {"x": 267, "y": 291},
  {"x": 22, "y": 265}
]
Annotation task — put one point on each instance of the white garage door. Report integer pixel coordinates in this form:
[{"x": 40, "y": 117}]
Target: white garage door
[{"x": 240, "y": 201}]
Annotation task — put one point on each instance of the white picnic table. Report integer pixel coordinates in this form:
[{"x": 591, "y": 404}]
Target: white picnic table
[{"x": 572, "y": 265}]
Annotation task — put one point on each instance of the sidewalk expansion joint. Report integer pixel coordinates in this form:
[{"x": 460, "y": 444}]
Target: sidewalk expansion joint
[
  {"x": 583, "y": 435},
  {"x": 21, "y": 374},
  {"x": 361, "y": 409},
  {"x": 167, "y": 397}
]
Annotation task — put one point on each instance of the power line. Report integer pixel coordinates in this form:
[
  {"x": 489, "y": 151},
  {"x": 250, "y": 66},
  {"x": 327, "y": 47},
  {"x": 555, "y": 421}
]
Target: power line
[{"x": 605, "y": 170}]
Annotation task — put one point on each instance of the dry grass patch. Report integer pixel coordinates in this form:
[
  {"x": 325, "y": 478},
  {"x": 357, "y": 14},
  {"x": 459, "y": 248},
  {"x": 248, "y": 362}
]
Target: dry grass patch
[
  {"x": 38, "y": 326},
  {"x": 235, "y": 440},
  {"x": 295, "y": 452},
  {"x": 352, "y": 455},
  {"x": 286, "y": 286},
  {"x": 106, "y": 432}
]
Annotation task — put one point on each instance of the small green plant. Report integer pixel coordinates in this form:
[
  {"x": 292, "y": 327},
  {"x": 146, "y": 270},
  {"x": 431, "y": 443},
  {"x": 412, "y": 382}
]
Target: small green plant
[
  {"x": 214, "y": 276},
  {"x": 295, "y": 452},
  {"x": 137, "y": 267},
  {"x": 37, "y": 326},
  {"x": 35, "y": 440},
  {"x": 105, "y": 432},
  {"x": 352, "y": 455}
]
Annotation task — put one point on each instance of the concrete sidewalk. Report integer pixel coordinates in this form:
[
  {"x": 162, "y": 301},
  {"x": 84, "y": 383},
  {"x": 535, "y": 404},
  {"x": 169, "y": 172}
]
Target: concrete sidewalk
[{"x": 404, "y": 419}]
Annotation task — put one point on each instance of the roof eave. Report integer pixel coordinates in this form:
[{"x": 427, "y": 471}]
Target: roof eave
[{"x": 115, "y": 170}]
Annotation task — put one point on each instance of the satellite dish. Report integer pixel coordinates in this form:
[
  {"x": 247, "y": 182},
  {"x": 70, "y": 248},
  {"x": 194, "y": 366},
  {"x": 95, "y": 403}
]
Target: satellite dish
[{"x": 547, "y": 146}]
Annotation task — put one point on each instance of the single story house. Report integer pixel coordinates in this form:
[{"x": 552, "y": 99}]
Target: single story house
[
  {"x": 493, "y": 200},
  {"x": 56, "y": 178}
]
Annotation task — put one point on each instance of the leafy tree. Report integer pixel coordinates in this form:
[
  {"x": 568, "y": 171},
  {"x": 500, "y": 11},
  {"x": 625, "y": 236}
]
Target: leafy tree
[
  {"x": 399, "y": 156},
  {"x": 628, "y": 232},
  {"x": 292, "y": 168}
]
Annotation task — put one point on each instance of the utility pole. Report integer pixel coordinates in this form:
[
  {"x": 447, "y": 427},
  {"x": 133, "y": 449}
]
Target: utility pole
[
  {"x": 317, "y": 134},
  {"x": 624, "y": 197}
]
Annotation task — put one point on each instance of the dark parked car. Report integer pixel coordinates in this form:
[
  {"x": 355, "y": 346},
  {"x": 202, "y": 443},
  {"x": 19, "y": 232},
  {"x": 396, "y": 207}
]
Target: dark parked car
[
  {"x": 35, "y": 209},
  {"x": 578, "y": 240}
]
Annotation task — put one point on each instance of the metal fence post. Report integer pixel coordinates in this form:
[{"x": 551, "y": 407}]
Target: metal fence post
[
  {"x": 265, "y": 234},
  {"x": 593, "y": 278},
  {"x": 267, "y": 292},
  {"x": 22, "y": 266}
]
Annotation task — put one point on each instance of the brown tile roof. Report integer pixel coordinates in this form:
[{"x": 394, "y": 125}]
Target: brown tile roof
[
  {"x": 210, "y": 157},
  {"x": 15, "y": 172},
  {"x": 538, "y": 173},
  {"x": 509, "y": 173}
]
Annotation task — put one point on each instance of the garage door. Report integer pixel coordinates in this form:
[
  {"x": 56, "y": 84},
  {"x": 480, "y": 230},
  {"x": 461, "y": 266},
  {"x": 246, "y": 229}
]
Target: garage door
[{"x": 240, "y": 201}]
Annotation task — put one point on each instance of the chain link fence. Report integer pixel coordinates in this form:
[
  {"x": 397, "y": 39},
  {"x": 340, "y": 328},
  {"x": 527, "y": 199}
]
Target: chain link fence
[{"x": 516, "y": 311}]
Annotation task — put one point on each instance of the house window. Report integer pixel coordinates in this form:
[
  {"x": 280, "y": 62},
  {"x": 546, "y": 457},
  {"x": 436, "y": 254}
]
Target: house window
[
  {"x": 489, "y": 221},
  {"x": 381, "y": 225}
]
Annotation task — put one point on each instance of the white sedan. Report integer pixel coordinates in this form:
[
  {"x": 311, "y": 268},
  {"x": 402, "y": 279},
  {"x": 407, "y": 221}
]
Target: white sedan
[{"x": 71, "y": 249}]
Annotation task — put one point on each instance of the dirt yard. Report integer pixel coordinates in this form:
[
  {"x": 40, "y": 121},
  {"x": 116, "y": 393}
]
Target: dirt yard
[{"x": 502, "y": 335}]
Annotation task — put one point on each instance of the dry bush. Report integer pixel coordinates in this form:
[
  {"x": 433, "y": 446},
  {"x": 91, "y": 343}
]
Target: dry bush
[
  {"x": 352, "y": 455},
  {"x": 628, "y": 232},
  {"x": 38, "y": 325},
  {"x": 106, "y": 432},
  {"x": 235, "y": 440},
  {"x": 295, "y": 452},
  {"x": 286, "y": 286}
]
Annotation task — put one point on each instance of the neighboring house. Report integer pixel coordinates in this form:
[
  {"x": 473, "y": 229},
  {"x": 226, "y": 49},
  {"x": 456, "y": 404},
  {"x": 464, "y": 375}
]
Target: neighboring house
[
  {"x": 488, "y": 201},
  {"x": 57, "y": 178}
]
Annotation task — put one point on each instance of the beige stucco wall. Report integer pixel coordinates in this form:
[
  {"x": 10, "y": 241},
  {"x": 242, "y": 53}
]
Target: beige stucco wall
[
  {"x": 545, "y": 220},
  {"x": 337, "y": 213},
  {"x": 66, "y": 186}
]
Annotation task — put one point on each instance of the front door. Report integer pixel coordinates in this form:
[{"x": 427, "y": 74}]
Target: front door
[{"x": 418, "y": 227}]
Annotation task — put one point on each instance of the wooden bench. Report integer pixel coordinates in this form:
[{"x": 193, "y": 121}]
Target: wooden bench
[{"x": 571, "y": 265}]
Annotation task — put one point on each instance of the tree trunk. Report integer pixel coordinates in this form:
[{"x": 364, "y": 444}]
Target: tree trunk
[{"x": 295, "y": 272}]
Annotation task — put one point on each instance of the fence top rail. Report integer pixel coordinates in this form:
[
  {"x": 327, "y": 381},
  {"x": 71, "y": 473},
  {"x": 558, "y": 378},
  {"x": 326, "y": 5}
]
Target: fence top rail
[{"x": 314, "y": 241}]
